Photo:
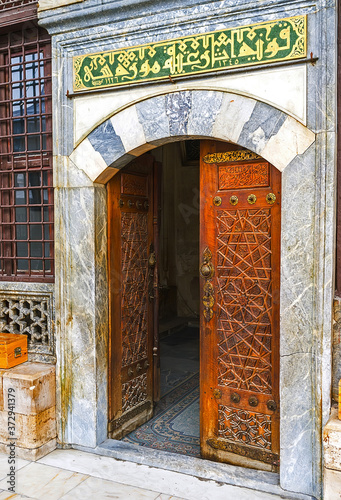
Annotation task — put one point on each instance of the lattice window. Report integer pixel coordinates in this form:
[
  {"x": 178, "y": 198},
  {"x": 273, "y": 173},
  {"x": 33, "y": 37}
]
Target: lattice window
[
  {"x": 29, "y": 314},
  {"x": 26, "y": 193},
  {"x": 10, "y": 4}
]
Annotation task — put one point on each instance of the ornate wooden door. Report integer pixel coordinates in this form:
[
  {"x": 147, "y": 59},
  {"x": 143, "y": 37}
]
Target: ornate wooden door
[
  {"x": 240, "y": 270},
  {"x": 133, "y": 275}
]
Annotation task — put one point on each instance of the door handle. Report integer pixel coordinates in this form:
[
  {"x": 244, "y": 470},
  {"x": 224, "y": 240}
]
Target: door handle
[
  {"x": 206, "y": 268},
  {"x": 152, "y": 283},
  {"x": 152, "y": 259},
  {"x": 207, "y": 272}
]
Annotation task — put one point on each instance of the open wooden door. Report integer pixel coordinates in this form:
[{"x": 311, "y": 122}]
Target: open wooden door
[
  {"x": 240, "y": 271},
  {"x": 132, "y": 286}
]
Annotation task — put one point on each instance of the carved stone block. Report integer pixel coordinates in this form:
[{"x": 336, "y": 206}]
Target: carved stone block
[
  {"x": 31, "y": 431},
  {"x": 332, "y": 484},
  {"x": 332, "y": 442},
  {"x": 34, "y": 385},
  {"x": 31, "y": 453}
]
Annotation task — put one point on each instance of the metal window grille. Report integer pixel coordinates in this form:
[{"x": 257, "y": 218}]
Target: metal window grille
[{"x": 26, "y": 193}]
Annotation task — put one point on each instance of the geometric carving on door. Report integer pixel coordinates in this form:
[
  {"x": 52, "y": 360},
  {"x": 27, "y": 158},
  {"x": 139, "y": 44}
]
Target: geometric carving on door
[
  {"x": 134, "y": 285},
  {"x": 246, "y": 427},
  {"x": 134, "y": 392},
  {"x": 245, "y": 299}
]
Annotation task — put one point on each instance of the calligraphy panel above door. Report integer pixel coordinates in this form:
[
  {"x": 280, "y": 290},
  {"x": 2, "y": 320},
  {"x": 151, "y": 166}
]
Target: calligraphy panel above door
[{"x": 266, "y": 42}]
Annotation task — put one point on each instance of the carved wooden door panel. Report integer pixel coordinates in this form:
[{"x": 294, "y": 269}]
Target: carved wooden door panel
[
  {"x": 240, "y": 266},
  {"x": 132, "y": 271}
]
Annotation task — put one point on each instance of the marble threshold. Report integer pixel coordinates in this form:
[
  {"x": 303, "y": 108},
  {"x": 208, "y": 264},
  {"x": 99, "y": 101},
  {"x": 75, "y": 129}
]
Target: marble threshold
[
  {"x": 78, "y": 475},
  {"x": 257, "y": 484}
]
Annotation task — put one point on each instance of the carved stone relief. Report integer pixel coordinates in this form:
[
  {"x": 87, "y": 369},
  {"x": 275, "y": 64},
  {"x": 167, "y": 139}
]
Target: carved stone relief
[{"x": 30, "y": 314}]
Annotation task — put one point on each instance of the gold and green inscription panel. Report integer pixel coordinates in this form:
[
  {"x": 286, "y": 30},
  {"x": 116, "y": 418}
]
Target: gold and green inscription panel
[{"x": 261, "y": 43}]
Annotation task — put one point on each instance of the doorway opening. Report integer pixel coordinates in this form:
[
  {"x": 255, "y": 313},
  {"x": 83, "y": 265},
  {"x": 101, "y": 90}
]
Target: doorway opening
[
  {"x": 175, "y": 425},
  {"x": 160, "y": 256}
]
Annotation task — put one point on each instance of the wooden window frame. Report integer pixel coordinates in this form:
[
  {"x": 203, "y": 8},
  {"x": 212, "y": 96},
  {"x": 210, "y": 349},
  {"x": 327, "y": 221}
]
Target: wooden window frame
[
  {"x": 17, "y": 15},
  {"x": 26, "y": 161}
]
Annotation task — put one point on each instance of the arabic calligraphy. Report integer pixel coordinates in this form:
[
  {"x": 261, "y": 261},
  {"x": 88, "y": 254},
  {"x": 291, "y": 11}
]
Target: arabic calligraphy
[
  {"x": 230, "y": 156},
  {"x": 266, "y": 42}
]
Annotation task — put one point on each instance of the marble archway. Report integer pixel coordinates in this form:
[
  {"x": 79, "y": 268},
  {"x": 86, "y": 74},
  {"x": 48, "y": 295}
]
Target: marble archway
[
  {"x": 273, "y": 134},
  {"x": 81, "y": 256}
]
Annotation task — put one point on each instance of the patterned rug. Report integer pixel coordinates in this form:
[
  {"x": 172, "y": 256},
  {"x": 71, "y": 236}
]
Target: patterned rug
[{"x": 175, "y": 425}]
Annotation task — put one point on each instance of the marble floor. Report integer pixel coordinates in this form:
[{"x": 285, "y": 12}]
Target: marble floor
[
  {"x": 77, "y": 475},
  {"x": 175, "y": 424},
  {"x": 89, "y": 477}
]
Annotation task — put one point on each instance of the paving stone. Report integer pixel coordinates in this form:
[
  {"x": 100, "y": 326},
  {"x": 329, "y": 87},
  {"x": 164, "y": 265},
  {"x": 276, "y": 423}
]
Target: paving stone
[{"x": 43, "y": 482}]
